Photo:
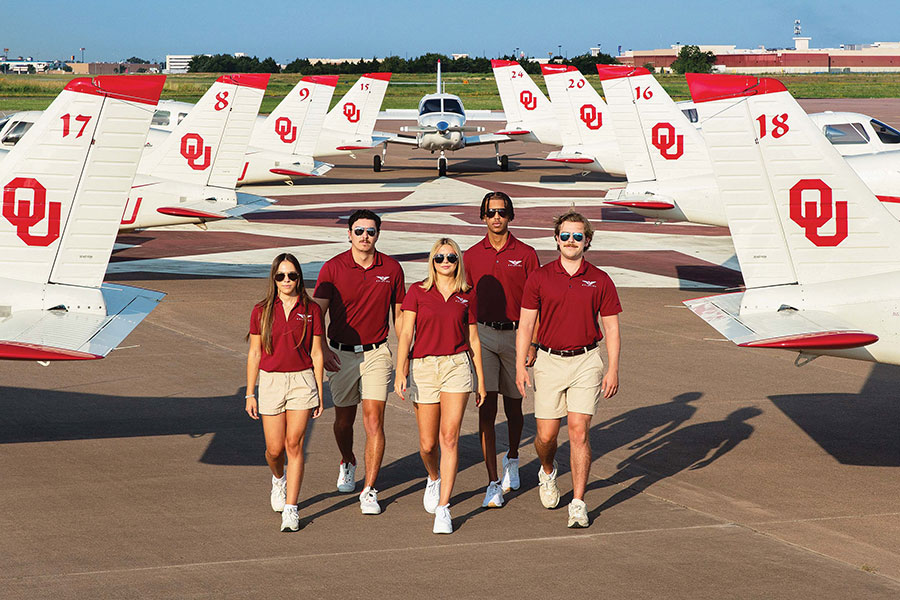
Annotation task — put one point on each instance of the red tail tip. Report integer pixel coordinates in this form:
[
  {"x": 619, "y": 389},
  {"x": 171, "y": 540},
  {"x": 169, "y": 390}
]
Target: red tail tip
[
  {"x": 607, "y": 72},
  {"x": 330, "y": 80},
  {"x": 706, "y": 87},
  {"x": 381, "y": 76},
  {"x": 136, "y": 88},
  {"x": 254, "y": 80}
]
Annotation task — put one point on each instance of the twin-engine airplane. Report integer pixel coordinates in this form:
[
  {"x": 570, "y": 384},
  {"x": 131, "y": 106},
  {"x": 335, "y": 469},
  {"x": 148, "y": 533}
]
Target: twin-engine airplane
[
  {"x": 818, "y": 251},
  {"x": 441, "y": 127},
  {"x": 65, "y": 185}
]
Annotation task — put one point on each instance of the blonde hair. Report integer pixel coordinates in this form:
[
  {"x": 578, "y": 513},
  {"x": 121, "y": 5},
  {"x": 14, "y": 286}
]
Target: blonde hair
[{"x": 459, "y": 282}]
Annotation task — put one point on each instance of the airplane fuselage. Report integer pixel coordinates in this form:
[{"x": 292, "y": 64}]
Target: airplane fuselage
[{"x": 443, "y": 117}]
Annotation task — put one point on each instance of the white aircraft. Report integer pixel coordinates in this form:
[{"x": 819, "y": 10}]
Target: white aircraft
[
  {"x": 286, "y": 144},
  {"x": 441, "y": 127},
  {"x": 64, "y": 189},
  {"x": 589, "y": 141},
  {"x": 190, "y": 174},
  {"x": 818, "y": 251},
  {"x": 529, "y": 116},
  {"x": 667, "y": 164}
]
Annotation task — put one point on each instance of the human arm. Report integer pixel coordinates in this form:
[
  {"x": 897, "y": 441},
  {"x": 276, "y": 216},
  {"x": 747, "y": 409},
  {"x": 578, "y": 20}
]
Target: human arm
[
  {"x": 475, "y": 345},
  {"x": 532, "y": 348},
  {"x": 407, "y": 323},
  {"x": 610, "y": 383},
  {"x": 331, "y": 360},
  {"x": 318, "y": 360},
  {"x": 524, "y": 335},
  {"x": 253, "y": 356}
]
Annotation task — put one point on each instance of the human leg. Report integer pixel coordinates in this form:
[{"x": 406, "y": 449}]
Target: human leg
[
  {"x": 344, "y": 417},
  {"x": 273, "y": 431},
  {"x": 453, "y": 407},
  {"x": 295, "y": 434},
  {"x": 373, "y": 420},
  {"x": 487, "y": 416}
]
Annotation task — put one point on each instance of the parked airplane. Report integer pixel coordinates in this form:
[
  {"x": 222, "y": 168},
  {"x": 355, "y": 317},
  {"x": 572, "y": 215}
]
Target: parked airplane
[
  {"x": 818, "y": 251},
  {"x": 64, "y": 188},
  {"x": 667, "y": 165},
  {"x": 529, "y": 115},
  {"x": 442, "y": 127},
  {"x": 589, "y": 142}
]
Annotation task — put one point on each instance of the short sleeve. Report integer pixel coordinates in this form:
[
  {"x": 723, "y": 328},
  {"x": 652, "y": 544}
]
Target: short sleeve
[
  {"x": 411, "y": 301},
  {"x": 467, "y": 264},
  {"x": 609, "y": 298},
  {"x": 254, "y": 320},
  {"x": 318, "y": 327},
  {"x": 325, "y": 283},
  {"x": 532, "y": 263},
  {"x": 531, "y": 295},
  {"x": 399, "y": 285},
  {"x": 473, "y": 307}
]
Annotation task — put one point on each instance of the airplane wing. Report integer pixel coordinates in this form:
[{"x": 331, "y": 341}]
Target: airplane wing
[
  {"x": 487, "y": 138},
  {"x": 64, "y": 335},
  {"x": 571, "y": 156},
  {"x": 786, "y": 328},
  {"x": 380, "y": 137}
]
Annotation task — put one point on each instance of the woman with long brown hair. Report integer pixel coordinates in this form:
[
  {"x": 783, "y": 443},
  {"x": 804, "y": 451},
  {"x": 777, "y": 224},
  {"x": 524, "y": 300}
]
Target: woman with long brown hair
[
  {"x": 440, "y": 312},
  {"x": 286, "y": 355}
]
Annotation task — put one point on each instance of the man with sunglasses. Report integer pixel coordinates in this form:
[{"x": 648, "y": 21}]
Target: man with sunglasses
[
  {"x": 568, "y": 295},
  {"x": 497, "y": 268},
  {"x": 359, "y": 289}
]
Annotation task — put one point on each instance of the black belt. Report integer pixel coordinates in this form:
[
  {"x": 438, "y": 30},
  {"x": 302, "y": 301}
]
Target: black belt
[
  {"x": 575, "y": 352},
  {"x": 501, "y": 325},
  {"x": 356, "y": 348}
]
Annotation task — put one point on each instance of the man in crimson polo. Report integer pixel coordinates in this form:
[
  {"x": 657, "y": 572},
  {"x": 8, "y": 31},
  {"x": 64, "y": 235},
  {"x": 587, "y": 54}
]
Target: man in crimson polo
[
  {"x": 359, "y": 289},
  {"x": 497, "y": 268},
  {"x": 568, "y": 295}
]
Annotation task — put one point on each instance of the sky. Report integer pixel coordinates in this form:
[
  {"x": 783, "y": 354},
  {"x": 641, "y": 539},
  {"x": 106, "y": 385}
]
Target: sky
[{"x": 53, "y": 29}]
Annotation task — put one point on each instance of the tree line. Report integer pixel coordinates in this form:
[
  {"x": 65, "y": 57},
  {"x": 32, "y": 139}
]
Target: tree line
[{"x": 226, "y": 63}]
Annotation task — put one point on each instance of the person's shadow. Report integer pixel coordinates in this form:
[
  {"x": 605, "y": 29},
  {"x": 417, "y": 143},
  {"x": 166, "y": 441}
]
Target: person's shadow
[
  {"x": 685, "y": 448},
  {"x": 631, "y": 427}
]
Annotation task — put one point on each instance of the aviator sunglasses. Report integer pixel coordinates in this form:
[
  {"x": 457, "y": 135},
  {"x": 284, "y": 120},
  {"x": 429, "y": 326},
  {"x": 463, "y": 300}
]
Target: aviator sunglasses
[
  {"x": 361, "y": 230},
  {"x": 451, "y": 258},
  {"x": 490, "y": 212},
  {"x": 564, "y": 236},
  {"x": 293, "y": 276}
]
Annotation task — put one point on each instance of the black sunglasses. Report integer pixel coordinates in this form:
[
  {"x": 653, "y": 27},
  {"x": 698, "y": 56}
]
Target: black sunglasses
[
  {"x": 293, "y": 276},
  {"x": 564, "y": 236},
  {"x": 358, "y": 231},
  {"x": 451, "y": 258},
  {"x": 490, "y": 212}
]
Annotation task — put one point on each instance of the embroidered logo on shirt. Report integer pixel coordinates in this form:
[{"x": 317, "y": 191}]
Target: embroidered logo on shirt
[
  {"x": 383, "y": 278},
  {"x": 515, "y": 263},
  {"x": 303, "y": 317},
  {"x": 590, "y": 284},
  {"x": 460, "y": 300}
]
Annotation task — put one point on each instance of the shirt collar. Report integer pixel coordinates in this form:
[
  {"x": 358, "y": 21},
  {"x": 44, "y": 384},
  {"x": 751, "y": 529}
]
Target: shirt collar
[
  {"x": 348, "y": 260},
  {"x": 582, "y": 269},
  {"x": 509, "y": 245}
]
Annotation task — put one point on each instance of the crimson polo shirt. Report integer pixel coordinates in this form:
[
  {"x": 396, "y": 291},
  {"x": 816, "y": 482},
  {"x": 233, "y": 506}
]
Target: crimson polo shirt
[
  {"x": 569, "y": 305},
  {"x": 499, "y": 276},
  {"x": 289, "y": 355},
  {"x": 360, "y": 299},
  {"x": 442, "y": 326}
]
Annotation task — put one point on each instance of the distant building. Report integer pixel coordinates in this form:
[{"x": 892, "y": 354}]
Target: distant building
[
  {"x": 177, "y": 63},
  {"x": 112, "y": 68},
  {"x": 856, "y": 58},
  {"x": 20, "y": 65}
]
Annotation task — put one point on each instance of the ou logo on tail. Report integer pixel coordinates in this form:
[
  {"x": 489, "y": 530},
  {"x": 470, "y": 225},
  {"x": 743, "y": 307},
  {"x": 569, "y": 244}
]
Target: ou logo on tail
[
  {"x": 351, "y": 112},
  {"x": 192, "y": 149},
  {"x": 25, "y": 214},
  {"x": 813, "y": 215},
  {"x": 591, "y": 117},
  {"x": 285, "y": 130},
  {"x": 664, "y": 139},
  {"x": 528, "y": 100}
]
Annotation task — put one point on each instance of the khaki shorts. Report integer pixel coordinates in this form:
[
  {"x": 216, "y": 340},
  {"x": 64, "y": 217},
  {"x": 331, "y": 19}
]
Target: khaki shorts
[
  {"x": 564, "y": 384},
  {"x": 363, "y": 375},
  {"x": 431, "y": 375},
  {"x": 498, "y": 357},
  {"x": 279, "y": 392}
]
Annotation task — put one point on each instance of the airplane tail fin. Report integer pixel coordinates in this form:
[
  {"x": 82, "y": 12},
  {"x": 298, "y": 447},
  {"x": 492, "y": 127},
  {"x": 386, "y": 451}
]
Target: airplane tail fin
[
  {"x": 294, "y": 126},
  {"x": 65, "y": 184},
  {"x": 525, "y": 106},
  {"x": 439, "y": 90},
  {"x": 354, "y": 116},
  {"x": 797, "y": 212},
  {"x": 581, "y": 112},
  {"x": 208, "y": 146}
]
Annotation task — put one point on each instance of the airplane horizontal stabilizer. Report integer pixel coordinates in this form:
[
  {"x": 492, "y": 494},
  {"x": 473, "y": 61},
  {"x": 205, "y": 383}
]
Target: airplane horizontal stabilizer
[
  {"x": 69, "y": 335},
  {"x": 571, "y": 158},
  {"x": 247, "y": 203},
  {"x": 786, "y": 328}
]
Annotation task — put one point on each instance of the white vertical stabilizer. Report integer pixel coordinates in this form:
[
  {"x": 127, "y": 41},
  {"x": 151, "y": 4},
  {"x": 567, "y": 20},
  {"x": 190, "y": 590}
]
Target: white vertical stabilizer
[
  {"x": 524, "y": 104},
  {"x": 295, "y": 124},
  {"x": 353, "y": 117}
]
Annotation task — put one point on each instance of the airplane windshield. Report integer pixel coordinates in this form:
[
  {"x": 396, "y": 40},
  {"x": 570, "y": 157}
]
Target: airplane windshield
[
  {"x": 886, "y": 133},
  {"x": 15, "y": 133},
  {"x": 432, "y": 105},
  {"x": 846, "y": 133},
  {"x": 691, "y": 114},
  {"x": 160, "y": 118},
  {"x": 452, "y": 105}
]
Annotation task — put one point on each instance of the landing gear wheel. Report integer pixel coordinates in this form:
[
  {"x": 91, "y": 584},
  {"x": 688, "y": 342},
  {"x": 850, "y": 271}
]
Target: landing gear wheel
[
  {"x": 442, "y": 167},
  {"x": 504, "y": 163},
  {"x": 376, "y": 163}
]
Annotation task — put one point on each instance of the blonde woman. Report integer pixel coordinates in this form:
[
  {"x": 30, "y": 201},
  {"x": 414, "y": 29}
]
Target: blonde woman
[
  {"x": 286, "y": 355},
  {"x": 440, "y": 313}
]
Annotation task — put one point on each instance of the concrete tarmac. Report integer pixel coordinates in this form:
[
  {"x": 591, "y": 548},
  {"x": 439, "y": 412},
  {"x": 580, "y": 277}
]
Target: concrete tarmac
[{"x": 718, "y": 472}]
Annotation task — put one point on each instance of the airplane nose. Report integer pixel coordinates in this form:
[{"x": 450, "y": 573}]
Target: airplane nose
[{"x": 442, "y": 126}]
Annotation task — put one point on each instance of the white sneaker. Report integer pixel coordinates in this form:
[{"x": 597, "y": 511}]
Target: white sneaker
[
  {"x": 548, "y": 488},
  {"x": 346, "y": 481},
  {"x": 368, "y": 502},
  {"x": 432, "y": 494},
  {"x": 510, "y": 479},
  {"x": 290, "y": 520},
  {"x": 493, "y": 497},
  {"x": 442, "y": 522},
  {"x": 578, "y": 514},
  {"x": 279, "y": 493}
]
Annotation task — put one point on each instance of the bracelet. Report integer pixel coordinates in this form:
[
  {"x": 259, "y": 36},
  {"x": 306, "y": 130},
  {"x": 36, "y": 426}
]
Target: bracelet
[
  {"x": 534, "y": 344},
  {"x": 249, "y": 396}
]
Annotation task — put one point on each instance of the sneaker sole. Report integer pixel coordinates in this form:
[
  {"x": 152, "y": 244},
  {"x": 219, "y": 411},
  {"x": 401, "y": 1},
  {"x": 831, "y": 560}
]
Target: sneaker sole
[
  {"x": 290, "y": 529},
  {"x": 492, "y": 505},
  {"x": 554, "y": 505},
  {"x": 370, "y": 511},
  {"x": 577, "y": 525},
  {"x": 441, "y": 532},
  {"x": 346, "y": 490}
]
